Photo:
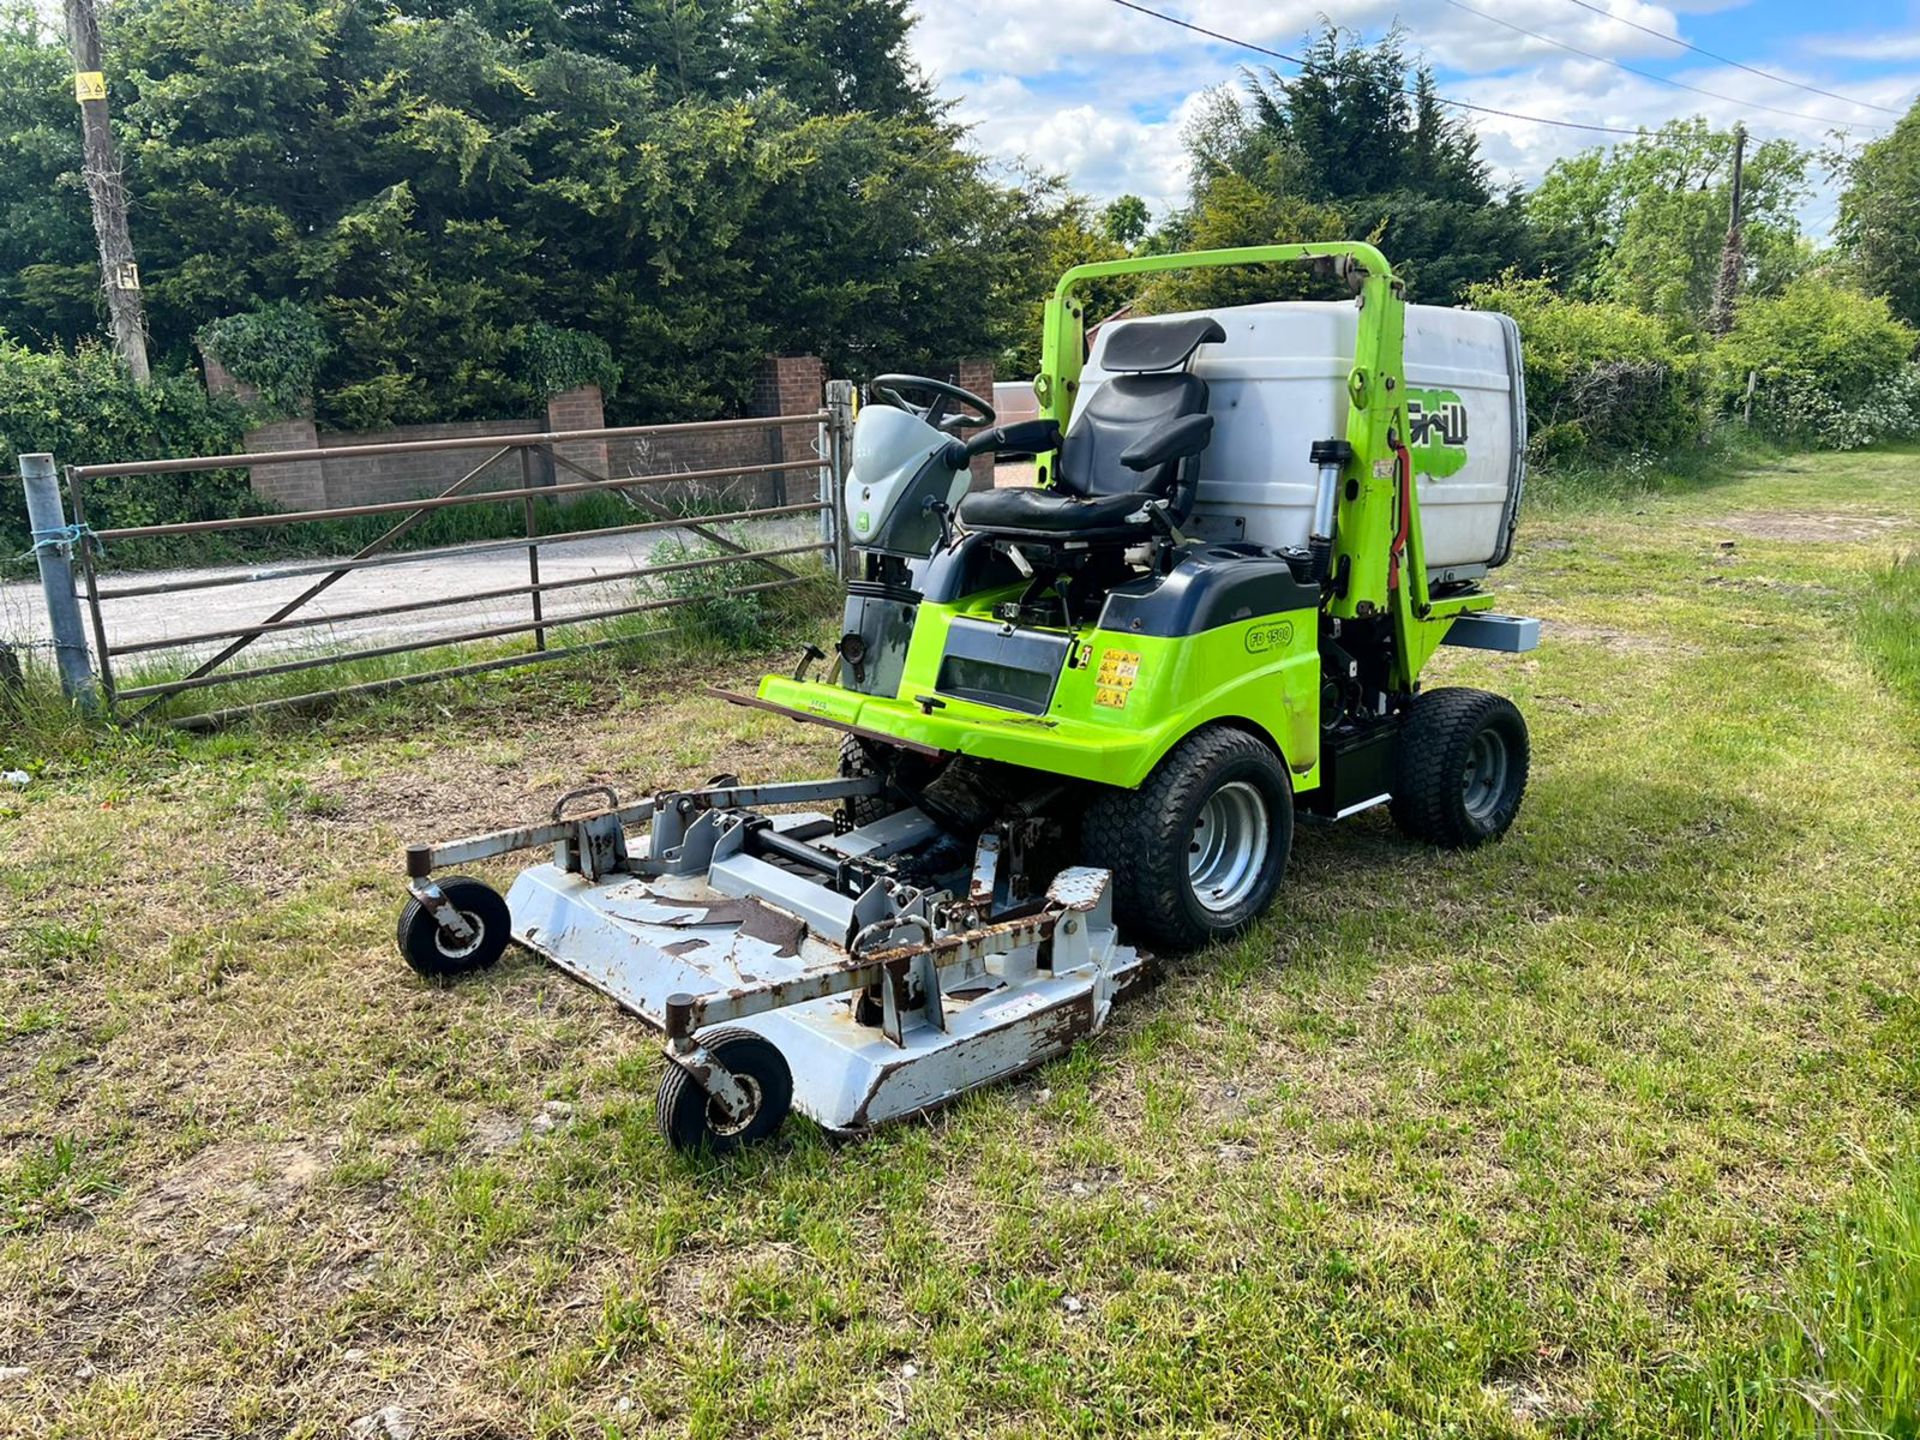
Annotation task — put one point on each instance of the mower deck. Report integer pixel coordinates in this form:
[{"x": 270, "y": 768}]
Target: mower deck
[{"x": 885, "y": 992}]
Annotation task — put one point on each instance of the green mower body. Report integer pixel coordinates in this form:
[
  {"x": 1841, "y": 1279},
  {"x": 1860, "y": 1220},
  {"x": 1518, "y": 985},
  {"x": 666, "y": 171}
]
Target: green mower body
[{"x": 1078, "y": 646}]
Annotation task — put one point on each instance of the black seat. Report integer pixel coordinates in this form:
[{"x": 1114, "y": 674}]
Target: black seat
[{"x": 1137, "y": 441}]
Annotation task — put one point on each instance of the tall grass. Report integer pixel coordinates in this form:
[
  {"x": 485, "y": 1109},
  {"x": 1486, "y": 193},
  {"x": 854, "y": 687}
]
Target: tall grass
[
  {"x": 1888, "y": 626},
  {"x": 1844, "y": 1358},
  {"x": 1571, "y": 484}
]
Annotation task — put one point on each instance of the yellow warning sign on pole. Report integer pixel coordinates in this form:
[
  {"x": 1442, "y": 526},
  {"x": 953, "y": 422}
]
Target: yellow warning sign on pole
[{"x": 89, "y": 85}]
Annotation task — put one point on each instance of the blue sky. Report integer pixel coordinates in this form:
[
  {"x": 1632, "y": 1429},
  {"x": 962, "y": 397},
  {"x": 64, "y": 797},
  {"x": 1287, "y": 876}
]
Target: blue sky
[{"x": 1101, "y": 94}]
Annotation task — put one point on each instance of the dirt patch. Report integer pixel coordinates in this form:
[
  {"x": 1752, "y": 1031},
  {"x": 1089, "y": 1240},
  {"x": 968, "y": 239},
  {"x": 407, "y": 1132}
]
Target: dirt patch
[
  {"x": 1801, "y": 527},
  {"x": 1620, "y": 642},
  {"x": 230, "y": 1178}
]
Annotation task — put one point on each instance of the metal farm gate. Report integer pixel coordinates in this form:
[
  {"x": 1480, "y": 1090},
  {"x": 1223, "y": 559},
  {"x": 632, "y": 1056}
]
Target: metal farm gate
[{"x": 208, "y": 655}]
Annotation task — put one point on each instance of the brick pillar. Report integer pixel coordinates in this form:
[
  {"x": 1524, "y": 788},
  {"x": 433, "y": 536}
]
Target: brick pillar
[
  {"x": 977, "y": 375},
  {"x": 790, "y": 385},
  {"x": 299, "y": 485},
  {"x": 581, "y": 408}
]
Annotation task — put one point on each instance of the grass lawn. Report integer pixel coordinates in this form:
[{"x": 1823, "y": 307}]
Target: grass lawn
[{"x": 1569, "y": 1137}]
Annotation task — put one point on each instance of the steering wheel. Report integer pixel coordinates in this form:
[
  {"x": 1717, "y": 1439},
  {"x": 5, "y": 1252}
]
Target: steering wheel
[{"x": 978, "y": 414}]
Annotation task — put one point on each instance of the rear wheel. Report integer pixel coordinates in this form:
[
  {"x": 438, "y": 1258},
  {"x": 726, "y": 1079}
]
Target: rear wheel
[
  {"x": 1460, "y": 768},
  {"x": 1198, "y": 851}
]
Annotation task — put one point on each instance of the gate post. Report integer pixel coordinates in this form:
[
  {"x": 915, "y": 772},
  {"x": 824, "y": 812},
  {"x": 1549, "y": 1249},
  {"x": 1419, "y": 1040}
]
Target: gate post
[
  {"x": 53, "y": 548},
  {"x": 839, "y": 427}
]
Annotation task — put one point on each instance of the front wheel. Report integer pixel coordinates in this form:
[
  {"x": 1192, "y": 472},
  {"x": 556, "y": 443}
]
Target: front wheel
[
  {"x": 439, "y": 955},
  {"x": 690, "y": 1121},
  {"x": 1198, "y": 851},
  {"x": 1460, "y": 768},
  {"x": 862, "y": 758}
]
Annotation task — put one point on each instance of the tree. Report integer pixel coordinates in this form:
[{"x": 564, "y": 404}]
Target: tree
[
  {"x": 1125, "y": 220},
  {"x": 1879, "y": 225},
  {"x": 440, "y": 183},
  {"x": 838, "y": 59},
  {"x": 1348, "y": 150},
  {"x": 1646, "y": 221},
  {"x": 49, "y": 279}
]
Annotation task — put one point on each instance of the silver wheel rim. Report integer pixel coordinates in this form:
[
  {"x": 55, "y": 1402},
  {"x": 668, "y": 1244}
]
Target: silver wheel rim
[
  {"x": 1229, "y": 848},
  {"x": 1483, "y": 784},
  {"x": 453, "y": 949},
  {"x": 717, "y": 1120}
]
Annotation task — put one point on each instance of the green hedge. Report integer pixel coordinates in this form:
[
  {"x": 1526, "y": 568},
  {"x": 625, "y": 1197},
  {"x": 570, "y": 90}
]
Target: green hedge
[
  {"x": 1601, "y": 378},
  {"x": 278, "y": 349},
  {"x": 81, "y": 407},
  {"x": 1831, "y": 366}
]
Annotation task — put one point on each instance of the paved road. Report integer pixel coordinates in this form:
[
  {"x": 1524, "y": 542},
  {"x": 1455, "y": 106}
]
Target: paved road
[{"x": 429, "y": 576}]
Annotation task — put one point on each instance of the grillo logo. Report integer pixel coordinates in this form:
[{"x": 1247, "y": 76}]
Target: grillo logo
[{"x": 1437, "y": 431}]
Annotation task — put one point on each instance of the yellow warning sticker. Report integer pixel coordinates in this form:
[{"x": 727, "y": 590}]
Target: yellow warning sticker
[
  {"x": 1113, "y": 682},
  {"x": 89, "y": 85}
]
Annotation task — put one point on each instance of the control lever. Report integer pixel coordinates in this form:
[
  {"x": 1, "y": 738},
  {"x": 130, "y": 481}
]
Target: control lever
[{"x": 942, "y": 512}]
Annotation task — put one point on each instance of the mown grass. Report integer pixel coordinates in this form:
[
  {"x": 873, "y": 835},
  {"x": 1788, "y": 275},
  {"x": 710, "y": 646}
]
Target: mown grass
[{"x": 1569, "y": 1137}]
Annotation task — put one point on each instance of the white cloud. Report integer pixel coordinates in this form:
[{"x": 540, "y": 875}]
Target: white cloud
[
  {"x": 1904, "y": 45},
  {"x": 1106, "y": 107}
]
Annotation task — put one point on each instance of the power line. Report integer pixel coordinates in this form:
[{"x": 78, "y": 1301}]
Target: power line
[
  {"x": 1309, "y": 66},
  {"x": 1649, "y": 75},
  {"x": 1725, "y": 60}
]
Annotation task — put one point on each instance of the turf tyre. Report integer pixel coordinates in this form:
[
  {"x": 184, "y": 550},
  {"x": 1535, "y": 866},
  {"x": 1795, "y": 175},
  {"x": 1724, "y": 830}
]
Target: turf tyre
[
  {"x": 432, "y": 952},
  {"x": 690, "y": 1122},
  {"x": 1154, "y": 839},
  {"x": 861, "y": 758},
  {"x": 1460, "y": 768}
]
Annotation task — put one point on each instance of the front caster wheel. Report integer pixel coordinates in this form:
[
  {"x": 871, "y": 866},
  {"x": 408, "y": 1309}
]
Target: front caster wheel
[
  {"x": 691, "y": 1121},
  {"x": 438, "y": 955},
  {"x": 1460, "y": 768}
]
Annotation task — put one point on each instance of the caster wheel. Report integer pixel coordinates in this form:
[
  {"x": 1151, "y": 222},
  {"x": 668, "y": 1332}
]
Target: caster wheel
[
  {"x": 690, "y": 1121},
  {"x": 432, "y": 952}
]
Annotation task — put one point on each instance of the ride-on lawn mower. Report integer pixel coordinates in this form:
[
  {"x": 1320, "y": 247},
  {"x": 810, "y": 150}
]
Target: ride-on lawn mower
[{"x": 1076, "y": 717}]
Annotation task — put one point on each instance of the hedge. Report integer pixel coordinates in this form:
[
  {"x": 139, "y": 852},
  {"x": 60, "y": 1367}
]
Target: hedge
[{"x": 81, "y": 407}]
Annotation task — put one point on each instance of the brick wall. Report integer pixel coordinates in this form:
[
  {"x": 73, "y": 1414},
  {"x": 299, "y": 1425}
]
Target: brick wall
[
  {"x": 375, "y": 479},
  {"x": 297, "y": 485},
  {"x": 788, "y": 385},
  {"x": 581, "y": 408}
]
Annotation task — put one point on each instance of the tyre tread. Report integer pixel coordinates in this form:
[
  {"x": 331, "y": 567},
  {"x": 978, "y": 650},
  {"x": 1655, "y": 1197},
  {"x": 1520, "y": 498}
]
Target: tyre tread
[
  {"x": 1122, "y": 831},
  {"x": 1426, "y": 802}
]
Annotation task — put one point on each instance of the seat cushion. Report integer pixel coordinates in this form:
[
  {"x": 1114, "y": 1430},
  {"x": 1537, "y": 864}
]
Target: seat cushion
[{"x": 1051, "y": 512}]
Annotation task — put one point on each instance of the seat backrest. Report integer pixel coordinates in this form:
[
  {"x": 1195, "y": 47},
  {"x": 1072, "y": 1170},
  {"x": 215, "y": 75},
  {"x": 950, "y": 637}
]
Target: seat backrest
[
  {"x": 1151, "y": 385},
  {"x": 1126, "y": 409}
]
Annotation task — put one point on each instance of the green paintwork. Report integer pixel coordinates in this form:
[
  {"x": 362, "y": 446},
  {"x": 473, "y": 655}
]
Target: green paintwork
[
  {"x": 1263, "y": 673},
  {"x": 1437, "y": 427},
  {"x": 1369, "y": 505},
  {"x": 1124, "y": 700}
]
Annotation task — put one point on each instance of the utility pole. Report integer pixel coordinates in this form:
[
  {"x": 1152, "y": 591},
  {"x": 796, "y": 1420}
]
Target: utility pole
[
  {"x": 1726, "y": 289},
  {"x": 101, "y": 166}
]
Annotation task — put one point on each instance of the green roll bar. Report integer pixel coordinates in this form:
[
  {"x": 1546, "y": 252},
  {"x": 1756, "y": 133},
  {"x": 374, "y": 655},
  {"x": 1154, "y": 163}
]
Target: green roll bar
[{"x": 1368, "y": 511}]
